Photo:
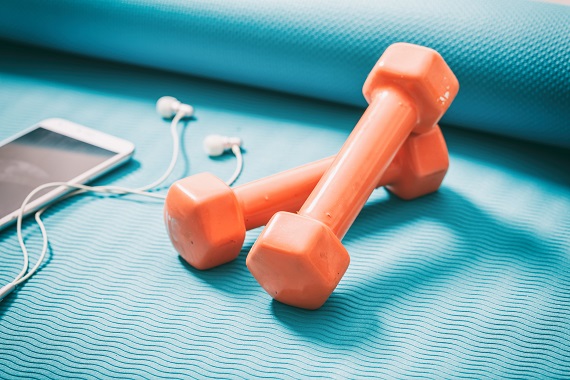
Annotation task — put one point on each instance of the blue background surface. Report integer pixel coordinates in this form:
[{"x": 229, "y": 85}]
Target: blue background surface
[
  {"x": 512, "y": 57},
  {"x": 473, "y": 281}
]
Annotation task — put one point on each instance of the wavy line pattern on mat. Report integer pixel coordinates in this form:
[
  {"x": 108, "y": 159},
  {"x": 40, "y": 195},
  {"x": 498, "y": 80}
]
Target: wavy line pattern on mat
[{"x": 470, "y": 282}]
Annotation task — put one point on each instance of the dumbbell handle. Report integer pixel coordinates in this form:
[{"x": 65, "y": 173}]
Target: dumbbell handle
[
  {"x": 347, "y": 184},
  {"x": 288, "y": 190}
]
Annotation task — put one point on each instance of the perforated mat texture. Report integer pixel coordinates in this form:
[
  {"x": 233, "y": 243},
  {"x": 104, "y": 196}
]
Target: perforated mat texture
[{"x": 511, "y": 57}]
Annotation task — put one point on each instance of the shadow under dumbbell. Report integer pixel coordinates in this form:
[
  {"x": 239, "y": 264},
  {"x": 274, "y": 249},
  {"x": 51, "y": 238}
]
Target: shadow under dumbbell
[
  {"x": 478, "y": 248},
  {"x": 402, "y": 251},
  {"x": 231, "y": 278},
  {"x": 330, "y": 324},
  {"x": 475, "y": 234}
]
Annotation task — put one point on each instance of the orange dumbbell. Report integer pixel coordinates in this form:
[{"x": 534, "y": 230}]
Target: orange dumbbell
[
  {"x": 206, "y": 220},
  {"x": 299, "y": 258}
]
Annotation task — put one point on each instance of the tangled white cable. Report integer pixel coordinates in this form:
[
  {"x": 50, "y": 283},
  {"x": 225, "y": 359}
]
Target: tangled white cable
[{"x": 167, "y": 107}]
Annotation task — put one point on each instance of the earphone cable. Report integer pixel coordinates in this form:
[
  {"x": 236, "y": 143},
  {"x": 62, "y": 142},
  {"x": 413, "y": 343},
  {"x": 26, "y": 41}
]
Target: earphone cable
[
  {"x": 107, "y": 189},
  {"x": 83, "y": 188},
  {"x": 239, "y": 164},
  {"x": 175, "y": 153},
  {"x": 22, "y": 276}
]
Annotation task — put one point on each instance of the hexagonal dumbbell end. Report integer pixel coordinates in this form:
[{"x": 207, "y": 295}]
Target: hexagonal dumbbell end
[
  {"x": 408, "y": 91},
  {"x": 204, "y": 221},
  {"x": 419, "y": 71},
  {"x": 206, "y": 238},
  {"x": 423, "y": 161},
  {"x": 298, "y": 261}
]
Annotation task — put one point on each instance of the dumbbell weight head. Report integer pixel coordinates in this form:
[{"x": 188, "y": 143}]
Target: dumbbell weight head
[
  {"x": 423, "y": 161},
  {"x": 298, "y": 258},
  {"x": 421, "y": 74},
  {"x": 307, "y": 250},
  {"x": 204, "y": 220}
]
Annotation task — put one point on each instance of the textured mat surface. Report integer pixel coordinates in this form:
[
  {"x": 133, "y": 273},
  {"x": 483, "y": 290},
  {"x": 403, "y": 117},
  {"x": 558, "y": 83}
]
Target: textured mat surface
[
  {"x": 473, "y": 281},
  {"x": 511, "y": 56}
]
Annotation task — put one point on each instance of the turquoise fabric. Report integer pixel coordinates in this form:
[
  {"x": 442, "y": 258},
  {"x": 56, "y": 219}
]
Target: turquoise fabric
[
  {"x": 470, "y": 282},
  {"x": 511, "y": 56}
]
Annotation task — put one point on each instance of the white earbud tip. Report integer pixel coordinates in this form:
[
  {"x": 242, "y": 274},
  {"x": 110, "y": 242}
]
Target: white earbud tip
[
  {"x": 235, "y": 141},
  {"x": 167, "y": 106},
  {"x": 214, "y": 145},
  {"x": 186, "y": 109}
]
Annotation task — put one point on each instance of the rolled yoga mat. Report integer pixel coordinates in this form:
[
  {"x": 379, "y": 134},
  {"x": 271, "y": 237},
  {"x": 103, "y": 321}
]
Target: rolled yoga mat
[
  {"x": 472, "y": 282},
  {"x": 511, "y": 56}
]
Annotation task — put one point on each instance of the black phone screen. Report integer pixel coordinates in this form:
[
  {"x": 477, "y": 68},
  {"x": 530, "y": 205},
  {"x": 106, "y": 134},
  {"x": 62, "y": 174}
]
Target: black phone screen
[{"x": 39, "y": 157}]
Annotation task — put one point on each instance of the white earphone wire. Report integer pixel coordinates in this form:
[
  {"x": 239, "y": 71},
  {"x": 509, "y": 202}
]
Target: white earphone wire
[
  {"x": 108, "y": 189},
  {"x": 239, "y": 164},
  {"x": 22, "y": 276},
  {"x": 96, "y": 189},
  {"x": 175, "y": 154}
]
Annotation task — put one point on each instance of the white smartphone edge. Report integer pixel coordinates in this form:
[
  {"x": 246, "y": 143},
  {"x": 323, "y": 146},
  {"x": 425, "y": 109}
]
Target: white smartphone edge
[{"x": 124, "y": 151}]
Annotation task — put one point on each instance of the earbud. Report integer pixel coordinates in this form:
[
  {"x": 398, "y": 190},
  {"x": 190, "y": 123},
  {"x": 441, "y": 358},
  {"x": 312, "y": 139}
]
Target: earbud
[
  {"x": 216, "y": 145},
  {"x": 168, "y": 106}
]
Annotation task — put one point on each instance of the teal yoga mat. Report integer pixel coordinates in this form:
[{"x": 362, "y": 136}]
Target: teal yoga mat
[
  {"x": 511, "y": 56},
  {"x": 470, "y": 282}
]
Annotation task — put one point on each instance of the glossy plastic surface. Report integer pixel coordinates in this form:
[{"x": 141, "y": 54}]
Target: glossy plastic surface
[
  {"x": 409, "y": 88},
  {"x": 472, "y": 281},
  {"x": 413, "y": 172},
  {"x": 204, "y": 220}
]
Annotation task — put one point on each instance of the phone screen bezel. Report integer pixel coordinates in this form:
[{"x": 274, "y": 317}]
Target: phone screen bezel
[{"x": 123, "y": 150}]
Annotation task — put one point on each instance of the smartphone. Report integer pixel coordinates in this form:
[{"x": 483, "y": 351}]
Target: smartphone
[{"x": 54, "y": 150}]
